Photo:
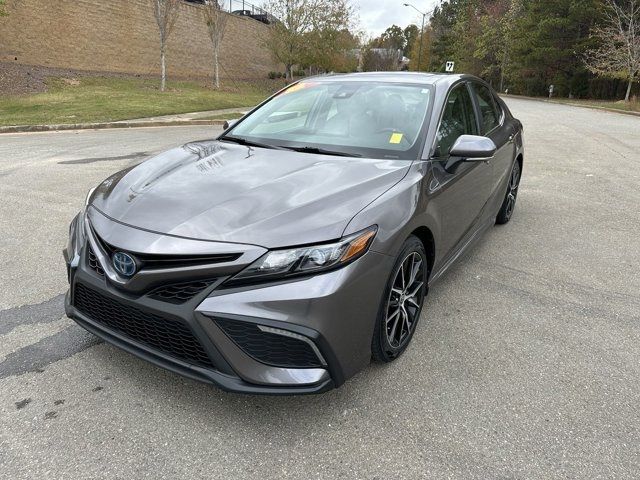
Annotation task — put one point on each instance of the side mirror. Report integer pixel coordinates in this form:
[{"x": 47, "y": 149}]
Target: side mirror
[
  {"x": 228, "y": 124},
  {"x": 473, "y": 147}
]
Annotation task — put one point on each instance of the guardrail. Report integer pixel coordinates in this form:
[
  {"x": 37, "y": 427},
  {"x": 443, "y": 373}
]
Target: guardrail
[
  {"x": 242, "y": 8},
  {"x": 234, "y": 6}
]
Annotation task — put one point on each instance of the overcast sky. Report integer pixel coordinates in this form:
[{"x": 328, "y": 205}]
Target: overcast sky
[{"x": 376, "y": 15}]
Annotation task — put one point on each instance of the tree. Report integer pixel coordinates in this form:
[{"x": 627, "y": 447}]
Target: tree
[
  {"x": 392, "y": 37},
  {"x": 330, "y": 49},
  {"x": 549, "y": 40},
  {"x": 411, "y": 34},
  {"x": 216, "y": 21},
  {"x": 618, "y": 39},
  {"x": 376, "y": 59},
  {"x": 494, "y": 42},
  {"x": 442, "y": 37},
  {"x": 414, "y": 54},
  {"x": 166, "y": 13},
  {"x": 295, "y": 37}
]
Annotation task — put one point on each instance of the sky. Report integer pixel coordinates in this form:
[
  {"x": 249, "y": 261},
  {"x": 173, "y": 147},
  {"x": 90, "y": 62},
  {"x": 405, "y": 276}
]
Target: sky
[{"x": 376, "y": 15}]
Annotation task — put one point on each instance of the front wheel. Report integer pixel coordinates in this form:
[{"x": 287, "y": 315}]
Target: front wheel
[
  {"x": 509, "y": 203},
  {"x": 402, "y": 302}
]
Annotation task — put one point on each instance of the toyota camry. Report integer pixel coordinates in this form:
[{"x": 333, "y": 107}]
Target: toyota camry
[{"x": 285, "y": 254}]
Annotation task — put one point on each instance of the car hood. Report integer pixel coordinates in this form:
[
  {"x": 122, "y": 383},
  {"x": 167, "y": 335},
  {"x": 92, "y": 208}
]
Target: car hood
[{"x": 231, "y": 193}]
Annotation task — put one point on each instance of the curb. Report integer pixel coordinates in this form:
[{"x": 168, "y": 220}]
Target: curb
[
  {"x": 105, "y": 125},
  {"x": 593, "y": 107}
]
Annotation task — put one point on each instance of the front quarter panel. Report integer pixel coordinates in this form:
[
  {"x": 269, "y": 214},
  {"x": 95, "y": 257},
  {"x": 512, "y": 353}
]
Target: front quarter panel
[{"x": 399, "y": 212}]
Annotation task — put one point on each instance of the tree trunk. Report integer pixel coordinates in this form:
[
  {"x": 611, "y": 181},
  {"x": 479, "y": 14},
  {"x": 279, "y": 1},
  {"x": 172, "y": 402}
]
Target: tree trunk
[
  {"x": 628, "y": 95},
  {"x": 288, "y": 72},
  {"x": 216, "y": 68},
  {"x": 163, "y": 81}
]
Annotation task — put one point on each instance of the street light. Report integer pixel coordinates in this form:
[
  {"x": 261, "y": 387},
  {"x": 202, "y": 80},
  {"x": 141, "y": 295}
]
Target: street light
[{"x": 424, "y": 15}]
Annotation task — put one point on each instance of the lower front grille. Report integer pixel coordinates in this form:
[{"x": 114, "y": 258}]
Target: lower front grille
[
  {"x": 270, "y": 348},
  {"x": 168, "y": 336}
]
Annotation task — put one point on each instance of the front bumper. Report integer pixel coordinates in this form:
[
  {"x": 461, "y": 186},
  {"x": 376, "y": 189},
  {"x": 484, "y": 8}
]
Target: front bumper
[{"x": 333, "y": 312}]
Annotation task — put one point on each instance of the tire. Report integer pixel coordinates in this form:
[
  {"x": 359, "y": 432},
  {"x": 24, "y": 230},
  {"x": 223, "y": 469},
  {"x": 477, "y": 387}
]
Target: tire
[
  {"x": 393, "y": 331},
  {"x": 509, "y": 202}
]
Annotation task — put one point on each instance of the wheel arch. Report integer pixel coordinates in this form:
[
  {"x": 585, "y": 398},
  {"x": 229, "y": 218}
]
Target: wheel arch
[{"x": 425, "y": 235}]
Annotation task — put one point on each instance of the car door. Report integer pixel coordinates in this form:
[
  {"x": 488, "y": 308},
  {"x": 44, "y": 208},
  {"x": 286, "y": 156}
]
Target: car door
[
  {"x": 459, "y": 193},
  {"x": 493, "y": 124}
]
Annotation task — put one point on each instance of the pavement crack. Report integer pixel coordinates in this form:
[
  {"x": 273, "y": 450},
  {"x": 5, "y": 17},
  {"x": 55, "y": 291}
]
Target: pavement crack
[
  {"x": 46, "y": 312},
  {"x": 132, "y": 156},
  {"x": 34, "y": 357}
]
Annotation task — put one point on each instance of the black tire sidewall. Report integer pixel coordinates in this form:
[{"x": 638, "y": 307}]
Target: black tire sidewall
[
  {"x": 502, "y": 217},
  {"x": 381, "y": 349}
]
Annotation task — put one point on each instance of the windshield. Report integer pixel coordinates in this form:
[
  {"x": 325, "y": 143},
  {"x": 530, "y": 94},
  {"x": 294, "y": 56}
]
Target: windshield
[{"x": 374, "y": 120}]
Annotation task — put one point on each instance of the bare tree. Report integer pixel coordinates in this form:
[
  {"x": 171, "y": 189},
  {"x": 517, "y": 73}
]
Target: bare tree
[
  {"x": 166, "y": 13},
  {"x": 216, "y": 20},
  {"x": 289, "y": 39},
  {"x": 618, "y": 51},
  {"x": 381, "y": 59}
]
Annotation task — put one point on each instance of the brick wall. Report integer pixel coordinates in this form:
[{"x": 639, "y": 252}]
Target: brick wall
[{"x": 122, "y": 36}]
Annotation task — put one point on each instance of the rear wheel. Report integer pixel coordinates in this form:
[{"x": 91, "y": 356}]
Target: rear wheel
[
  {"x": 509, "y": 203},
  {"x": 402, "y": 304}
]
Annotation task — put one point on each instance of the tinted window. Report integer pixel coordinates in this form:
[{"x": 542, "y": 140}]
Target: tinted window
[
  {"x": 458, "y": 119},
  {"x": 488, "y": 108},
  {"x": 371, "y": 119}
]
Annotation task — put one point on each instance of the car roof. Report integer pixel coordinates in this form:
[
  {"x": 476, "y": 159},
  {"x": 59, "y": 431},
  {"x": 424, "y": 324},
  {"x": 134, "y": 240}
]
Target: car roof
[{"x": 398, "y": 77}]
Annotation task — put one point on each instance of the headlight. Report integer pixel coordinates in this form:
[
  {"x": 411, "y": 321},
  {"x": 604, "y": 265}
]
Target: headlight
[{"x": 306, "y": 260}]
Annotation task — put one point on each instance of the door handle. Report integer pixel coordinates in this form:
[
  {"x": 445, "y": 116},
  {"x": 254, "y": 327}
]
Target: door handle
[{"x": 511, "y": 138}]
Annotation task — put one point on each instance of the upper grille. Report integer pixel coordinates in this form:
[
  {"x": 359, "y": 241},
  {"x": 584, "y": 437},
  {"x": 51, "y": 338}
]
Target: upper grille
[
  {"x": 168, "y": 336},
  {"x": 151, "y": 261},
  {"x": 94, "y": 264},
  {"x": 178, "y": 293},
  {"x": 270, "y": 348}
]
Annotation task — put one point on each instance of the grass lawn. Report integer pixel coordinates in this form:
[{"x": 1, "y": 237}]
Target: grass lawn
[{"x": 102, "y": 99}]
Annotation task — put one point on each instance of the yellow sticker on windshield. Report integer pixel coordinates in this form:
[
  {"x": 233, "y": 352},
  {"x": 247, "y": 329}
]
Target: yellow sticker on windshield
[{"x": 396, "y": 138}]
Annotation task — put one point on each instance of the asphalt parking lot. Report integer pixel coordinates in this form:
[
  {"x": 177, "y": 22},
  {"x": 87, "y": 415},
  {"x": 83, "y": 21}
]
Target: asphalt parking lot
[{"x": 526, "y": 363}]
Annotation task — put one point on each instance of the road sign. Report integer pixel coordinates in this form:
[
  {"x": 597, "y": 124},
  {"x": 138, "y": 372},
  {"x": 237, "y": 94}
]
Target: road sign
[{"x": 449, "y": 66}]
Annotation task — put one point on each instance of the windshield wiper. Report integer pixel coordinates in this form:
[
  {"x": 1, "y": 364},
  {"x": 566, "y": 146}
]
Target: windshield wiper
[
  {"x": 320, "y": 151},
  {"x": 248, "y": 143}
]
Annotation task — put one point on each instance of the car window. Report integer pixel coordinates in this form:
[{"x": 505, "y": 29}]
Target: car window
[
  {"x": 458, "y": 119},
  {"x": 488, "y": 108},
  {"x": 369, "y": 119}
]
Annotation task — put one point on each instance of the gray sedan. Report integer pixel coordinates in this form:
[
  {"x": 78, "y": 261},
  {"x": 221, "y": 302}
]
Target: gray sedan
[{"x": 282, "y": 256}]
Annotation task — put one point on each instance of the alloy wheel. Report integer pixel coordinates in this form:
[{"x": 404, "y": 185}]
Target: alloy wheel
[
  {"x": 405, "y": 300},
  {"x": 512, "y": 193}
]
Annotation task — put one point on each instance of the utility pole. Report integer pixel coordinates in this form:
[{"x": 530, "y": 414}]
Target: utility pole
[{"x": 424, "y": 16}]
